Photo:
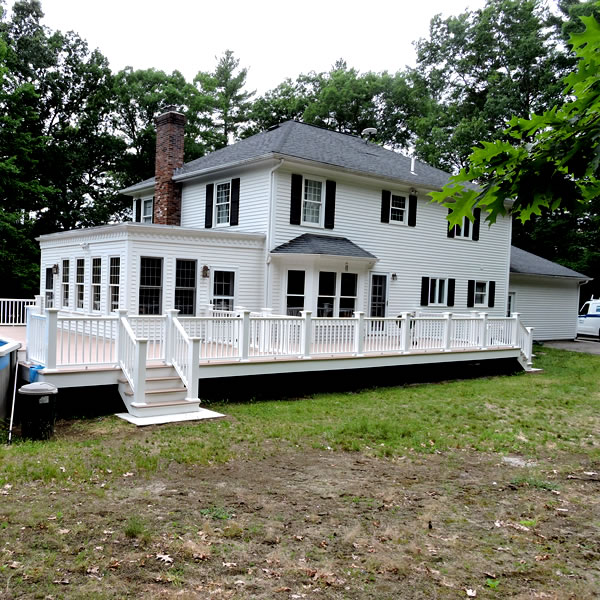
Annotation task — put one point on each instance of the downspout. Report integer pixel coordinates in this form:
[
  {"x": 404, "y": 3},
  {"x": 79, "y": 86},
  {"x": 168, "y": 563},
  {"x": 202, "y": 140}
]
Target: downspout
[{"x": 270, "y": 228}]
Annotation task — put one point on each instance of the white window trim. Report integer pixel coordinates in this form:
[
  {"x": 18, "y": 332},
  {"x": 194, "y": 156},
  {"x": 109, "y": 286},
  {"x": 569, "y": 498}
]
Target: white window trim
[
  {"x": 65, "y": 284},
  {"x": 236, "y": 283},
  {"x": 95, "y": 285},
  {"x": 114, "y": 285},
  {"x": 215, "y": 211},
  {"x": 79, "y": 285},
  {"x": 195, "y": 288},
  {"x": 161, "y": 287},
  {"x": 321, "y": 223},
  {"x": 144, "y": 218},
  {"x": 461, "y": 236},
  {"x": 485, "y": 296},
  {"x": 404, "y": 222},
  {"x": 437, "y": 280}
]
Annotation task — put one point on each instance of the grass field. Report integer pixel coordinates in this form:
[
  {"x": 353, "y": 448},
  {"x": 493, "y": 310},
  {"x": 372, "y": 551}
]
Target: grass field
[{"x": 424, "y": 491}]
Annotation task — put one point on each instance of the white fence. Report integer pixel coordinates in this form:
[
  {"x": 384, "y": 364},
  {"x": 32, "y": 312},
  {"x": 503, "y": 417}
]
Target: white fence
[
  {"x": 13, "y": 311},
  {"x": 187, "y": 342}
]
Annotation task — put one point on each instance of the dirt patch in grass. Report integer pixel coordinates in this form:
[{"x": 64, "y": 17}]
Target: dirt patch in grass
[{"x": 309, "y": 524}]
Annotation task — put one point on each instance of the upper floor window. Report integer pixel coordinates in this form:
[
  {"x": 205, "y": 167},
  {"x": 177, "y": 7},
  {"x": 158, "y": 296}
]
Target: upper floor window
[
  {"x": 468, "y": 230},
  {"x": 223, "y": 203},
  {"x": 147, "y": 207},
  {"x": 397, "y": 209},
  {"x": 312, "y": 202}
]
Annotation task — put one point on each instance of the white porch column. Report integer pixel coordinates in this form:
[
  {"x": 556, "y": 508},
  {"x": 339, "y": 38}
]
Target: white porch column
[
  {"x": 405, "y": 332},
  {"x": 359, "y": 333},
  {"x": 529, "y": 352},
  {"x": 169, "y": 334},
  {"x": 51, "y": 335},
  {"x": 515, "y": 331},
  {"x": 483, "y": 339},
  {"x": 121, "y": 313},
  {"x": 245, "y": 334},
  {"x": 306, "y": 338},
  {"x": 447, "y": 331},
  {"x": 38, "y": 302},
  {"x": 194, "y": 372}
]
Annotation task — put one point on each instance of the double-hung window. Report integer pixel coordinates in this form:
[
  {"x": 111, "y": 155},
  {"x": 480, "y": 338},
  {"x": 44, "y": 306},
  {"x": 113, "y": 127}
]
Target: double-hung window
[
  {"x": 398, "y": 209},
  {"x": 147, "y": 206},
  {"x": 185, "y": 286},
  {"x": 295, "y": 292},
  {"x": 438, "y": 291},
  {"x": 223, "y": 203},
  {"x": 326, "y": 297},
  {"x": 481, "y": 293},
  {"x": 223, "y": 290},
  {"x": 464, "y": 230},
  {"x": 96, "y": 282},
  {"x": 150, "y": 286},
  {"x": 312, "y": 202},
  {"x": 79, "y": 282},
  {"x": 348, "y": 287},
  {"x": 65, "y": 283},
  {"x": 114, "y": 283}
]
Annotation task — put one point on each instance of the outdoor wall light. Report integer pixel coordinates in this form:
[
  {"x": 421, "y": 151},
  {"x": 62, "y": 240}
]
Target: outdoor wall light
[
  {"x": 55, "y": 269},
  {"x": 394, "y": 277},
  {"x": 205, "y": 271}
]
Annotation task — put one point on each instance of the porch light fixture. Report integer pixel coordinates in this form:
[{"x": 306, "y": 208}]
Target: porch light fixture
[
  {"x": 55, "y": 269},
  {"x": 394, "y": 277},
  {"x": 346, "y": 267},
  {"x": 205, "y": 271}
]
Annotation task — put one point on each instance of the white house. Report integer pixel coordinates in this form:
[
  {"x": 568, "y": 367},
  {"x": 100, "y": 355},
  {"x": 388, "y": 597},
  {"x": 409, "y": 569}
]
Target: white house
[
  {"x": 296, "y": 243},
  {"x": 294, "y": 218}
]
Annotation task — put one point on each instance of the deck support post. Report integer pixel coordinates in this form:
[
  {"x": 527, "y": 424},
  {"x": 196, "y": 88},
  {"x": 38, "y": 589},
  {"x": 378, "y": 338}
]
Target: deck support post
[
  {"x": 51, "y": 333},
  {"x": 447, "y": 331},
  {"x": 483, "y": 338},
  {"x": 306, "y": 338},
  {"x": 139, "y": 372},
  {"x": 245, "y": 334},
  {"x": 359, "y": 333},
  {"x": 405, "y": 332},
  {"x": 194, "y": 373},
  {"x": 515, "y": 331},
  {"x": 121, "y": 313},
  {"x": 170, "y": 334}
]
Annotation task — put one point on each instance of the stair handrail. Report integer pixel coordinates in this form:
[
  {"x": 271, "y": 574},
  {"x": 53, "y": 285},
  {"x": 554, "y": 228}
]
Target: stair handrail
[
  {"x": 185, "y": 357},
  {"x": 132, "y": 359}
]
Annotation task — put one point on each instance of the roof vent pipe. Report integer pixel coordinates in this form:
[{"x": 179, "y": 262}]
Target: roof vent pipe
[{"x": 412, "y": 165}]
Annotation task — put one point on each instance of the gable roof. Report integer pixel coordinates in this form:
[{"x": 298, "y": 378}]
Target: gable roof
[
  {"x": 526, "y": 263},
  {"x": 292, "y": 139},
  {"x": 311, "y": 243}
]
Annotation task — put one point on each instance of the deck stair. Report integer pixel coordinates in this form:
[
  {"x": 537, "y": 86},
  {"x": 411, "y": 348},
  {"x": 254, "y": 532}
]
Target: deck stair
[{"x": 165, "y": 394}]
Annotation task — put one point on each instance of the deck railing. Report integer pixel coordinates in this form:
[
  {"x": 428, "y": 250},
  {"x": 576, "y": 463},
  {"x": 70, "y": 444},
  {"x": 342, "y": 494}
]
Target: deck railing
[
  {"x": 55, "y": 340},
  {"x": 132, "y": 353},
  {"x": 13, "y": 311}
]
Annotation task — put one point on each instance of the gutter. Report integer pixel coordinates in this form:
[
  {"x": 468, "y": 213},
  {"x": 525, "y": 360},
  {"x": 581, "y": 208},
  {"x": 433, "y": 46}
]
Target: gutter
[{"x": 224, "y": 167}]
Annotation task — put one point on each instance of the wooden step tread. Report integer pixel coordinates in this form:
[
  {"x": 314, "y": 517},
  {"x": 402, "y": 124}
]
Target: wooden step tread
[
  {"x": 128, "y": 391},
  {"x": 165, "y": 403}
]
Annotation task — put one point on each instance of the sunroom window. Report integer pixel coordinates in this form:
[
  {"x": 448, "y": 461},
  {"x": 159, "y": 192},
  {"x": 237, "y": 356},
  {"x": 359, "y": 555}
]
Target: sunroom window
[
  {"x": 150, "y": 286},
  {"x": 223, "y": 290},
  {"x": 295, "y": 293},
  {"x": 185, "y": 286}
]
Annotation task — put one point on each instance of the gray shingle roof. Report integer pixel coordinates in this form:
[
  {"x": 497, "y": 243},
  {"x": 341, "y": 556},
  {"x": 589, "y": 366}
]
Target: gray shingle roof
[
  {"x": 311, "y": 243},
  {"x": 308, "y": 142},
  {"x": 525, "y": 263}
]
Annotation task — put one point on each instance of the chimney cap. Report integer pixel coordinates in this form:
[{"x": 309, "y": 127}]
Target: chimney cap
[{"x": 170, "y": 108}]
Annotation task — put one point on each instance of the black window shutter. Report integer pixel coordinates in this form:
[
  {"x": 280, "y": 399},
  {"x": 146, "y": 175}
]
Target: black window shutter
[
  {"x": 296, "y": 200},
  {"x": 491, "y": 293},
  {"x": 234, "y": 217},
  {"x": 329, "y": 204},
  {"x": 450, "y": 230},
  {"x": 424, "y": 291},
  {"x": 477, "y": 219},
  {"x": 138, "y": 210},
  {"x": 471, "y": 293},
  {"x": 385, "y": 205},
  {"x": 451, "y": 288},
  {"x": 208, "y": 214},
  {"x": 412, "y": 211}
]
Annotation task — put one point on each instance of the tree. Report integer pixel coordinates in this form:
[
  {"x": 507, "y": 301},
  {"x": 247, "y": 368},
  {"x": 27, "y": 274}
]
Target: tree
[
  {"x": 229, "y": 101},
  {"x": 480, "y": 68},
  {"x": 554, "y": 160}
]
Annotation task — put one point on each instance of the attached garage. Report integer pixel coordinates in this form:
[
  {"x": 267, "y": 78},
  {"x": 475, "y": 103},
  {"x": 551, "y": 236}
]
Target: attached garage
[{"x": 545, "y": 294}]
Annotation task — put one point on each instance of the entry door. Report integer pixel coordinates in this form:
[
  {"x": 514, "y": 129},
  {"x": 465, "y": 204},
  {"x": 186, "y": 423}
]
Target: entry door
[{"x": 378, "y": 300}]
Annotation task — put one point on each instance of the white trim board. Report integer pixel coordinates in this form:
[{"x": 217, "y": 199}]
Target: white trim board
[{"x": 197, "y": 415}]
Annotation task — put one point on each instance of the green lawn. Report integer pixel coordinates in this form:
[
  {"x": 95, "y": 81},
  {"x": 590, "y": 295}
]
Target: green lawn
[{"x": 530, "y": 414}]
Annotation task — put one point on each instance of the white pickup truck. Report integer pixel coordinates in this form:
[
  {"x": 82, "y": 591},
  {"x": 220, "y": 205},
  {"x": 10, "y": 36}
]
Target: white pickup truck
[{"x": 588, "y": 321}]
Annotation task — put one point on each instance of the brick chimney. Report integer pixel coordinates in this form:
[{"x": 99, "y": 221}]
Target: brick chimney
[{"x": 169, "y": 156}]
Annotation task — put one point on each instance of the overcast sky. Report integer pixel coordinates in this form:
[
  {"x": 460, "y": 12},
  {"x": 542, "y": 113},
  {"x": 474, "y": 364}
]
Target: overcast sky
[{"x": 274, "y": 39}]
